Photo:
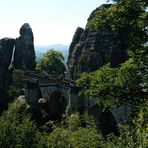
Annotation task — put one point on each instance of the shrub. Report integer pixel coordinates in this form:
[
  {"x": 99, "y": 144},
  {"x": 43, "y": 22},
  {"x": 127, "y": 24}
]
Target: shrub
[{"x": 16, "y": 129}]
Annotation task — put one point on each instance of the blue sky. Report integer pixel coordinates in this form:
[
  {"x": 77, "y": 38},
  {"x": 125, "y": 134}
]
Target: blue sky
[{"x": 52, "y": 21}]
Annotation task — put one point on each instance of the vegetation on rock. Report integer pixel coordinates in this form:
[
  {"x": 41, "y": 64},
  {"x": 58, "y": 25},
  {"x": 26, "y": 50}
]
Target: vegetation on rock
[
  {"x": 17, "y": 86},
  {"x": 129, "y": 81}
]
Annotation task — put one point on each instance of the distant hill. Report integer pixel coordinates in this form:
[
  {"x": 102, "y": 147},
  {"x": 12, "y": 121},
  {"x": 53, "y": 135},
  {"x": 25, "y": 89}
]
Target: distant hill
[{"x": 40, "y": 50}]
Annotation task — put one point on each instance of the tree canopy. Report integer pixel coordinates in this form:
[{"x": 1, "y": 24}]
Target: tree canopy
[
  {"x": 129, "y": 18},
  {"x": 52, "y": 62},
  {"x": 115, "y": 85},
  {"x": 18, "y": 130}
]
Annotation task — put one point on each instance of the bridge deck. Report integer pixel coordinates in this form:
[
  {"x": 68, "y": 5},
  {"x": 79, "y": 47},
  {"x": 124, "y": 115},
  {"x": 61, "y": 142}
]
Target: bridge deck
[{"x": 34, "y": 80}]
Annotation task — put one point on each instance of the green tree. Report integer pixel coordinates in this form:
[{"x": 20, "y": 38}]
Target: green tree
[
  {"x": 72, "y": 134},
  {"x": 102, "y": 85},
  {"x": 129, "y": 18},
  {"x": 52, "y": 62},
  {"x": 113, "y": 85},
  {"x": 16, "y": 128},
  {"x": 136, "y": 134},
  {"x": 16, "y": 88}
]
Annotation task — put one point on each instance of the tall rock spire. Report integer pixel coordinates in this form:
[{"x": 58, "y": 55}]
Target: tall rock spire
[{"x": 24, "y": 52}]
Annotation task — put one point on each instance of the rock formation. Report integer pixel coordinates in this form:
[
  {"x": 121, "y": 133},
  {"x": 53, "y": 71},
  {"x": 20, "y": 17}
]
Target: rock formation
[
  {"x": 24, "y": 52},
  {"x": 24, "y": 58},
  {"x": 91, "y": 48},
  {"x": 6, "y": 49}
]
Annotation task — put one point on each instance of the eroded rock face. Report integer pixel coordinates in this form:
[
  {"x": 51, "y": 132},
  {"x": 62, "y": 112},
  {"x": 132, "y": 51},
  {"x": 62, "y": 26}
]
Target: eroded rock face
[
  {"x": 91, "y": 49},
  {"x": 75, "y": 51},
  {"x": 24, "y": 53},
  {"x": 24, "y": 58},
  {"x": 6, "y": 48}
]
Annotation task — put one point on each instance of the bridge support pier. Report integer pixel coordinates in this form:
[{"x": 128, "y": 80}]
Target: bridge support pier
[{"x": 32, "y": 96}]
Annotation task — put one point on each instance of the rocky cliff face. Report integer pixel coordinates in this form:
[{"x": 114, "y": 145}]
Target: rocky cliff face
[
  {"x": 6, "y": 49},
  {"x": 24, "y": 52},
  {"x": 24, "y": 58},
  {"x": 92, "y": 48}
]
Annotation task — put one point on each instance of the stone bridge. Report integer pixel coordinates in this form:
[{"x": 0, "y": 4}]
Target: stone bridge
[
  {"x": 62, "y": 96},
  {"x": 61, "y": 93}
]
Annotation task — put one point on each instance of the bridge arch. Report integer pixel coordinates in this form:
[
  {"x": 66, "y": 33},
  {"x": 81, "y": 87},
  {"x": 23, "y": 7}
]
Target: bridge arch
[
  {"x": 57, "y": 105},
  {"x": 39, "y": 93},
  {"x": 104, "y": 120}
]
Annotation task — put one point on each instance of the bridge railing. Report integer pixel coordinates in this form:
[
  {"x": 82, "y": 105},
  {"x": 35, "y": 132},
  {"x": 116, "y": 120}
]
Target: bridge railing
[{"x": 33, "y": 79}]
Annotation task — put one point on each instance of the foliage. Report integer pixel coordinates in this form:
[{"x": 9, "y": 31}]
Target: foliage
[
  {"x": 101, "y": 83},
  {"x": 127, "y": 15},
  {"x": 73, "y": 134},
  {"x": 141, "y": 126},
  {"x": 86, "y": 137},
  {"x": 131, "y": 82},
  {"x": 113, "y": 85},
  {"x": 128, "y": 18},
  {"x": 86, "y": 133},
  {"x": 128, "y": 82},
  {"x": 136, "y": 134},
  {"x": 19, "y": 131},
  {"x": 52, "y": 62},
  {"x": 16, "y": 128},
  {"x": 59, "y": 138},
  {"x": 73, "y": 122},
  {"x": 16, "y": 88}
]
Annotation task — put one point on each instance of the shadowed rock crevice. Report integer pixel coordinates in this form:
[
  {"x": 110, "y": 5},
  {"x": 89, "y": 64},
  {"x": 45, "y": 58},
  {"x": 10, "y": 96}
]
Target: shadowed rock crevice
[
  {"x": 105, "y": 121},
  {"x": 57, "y": 106}
]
